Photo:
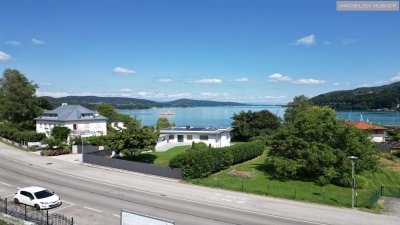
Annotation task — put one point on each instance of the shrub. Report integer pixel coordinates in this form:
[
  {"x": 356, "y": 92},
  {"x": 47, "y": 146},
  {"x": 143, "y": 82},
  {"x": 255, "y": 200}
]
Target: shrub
[
  {"x": 55, "y": 152},
  {"x": 201, "y": 161},
  {"x": 10, "y": 132},
  {"x": 60, "y": 133},
  {"x": 97, "y": 140}
]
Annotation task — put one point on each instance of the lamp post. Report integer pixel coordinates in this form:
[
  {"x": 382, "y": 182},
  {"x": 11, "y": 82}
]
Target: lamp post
[{"x": 353, "y": 180}]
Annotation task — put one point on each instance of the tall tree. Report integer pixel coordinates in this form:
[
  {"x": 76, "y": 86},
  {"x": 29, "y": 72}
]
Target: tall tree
[
  {"x": 134, "y": 138},
  {"x": 107, "y": 110},
  {"x": 251, "y": 124},
  {"x": 17, "y": 97},
  {"x": 316, "y": 146},
  {"x": 163, "y": 122},
  {"x": 299, "y": 104}
]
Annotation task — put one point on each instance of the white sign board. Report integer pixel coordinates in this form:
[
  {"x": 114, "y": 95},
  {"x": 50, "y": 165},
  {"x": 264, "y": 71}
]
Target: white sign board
[{"x": 131, "y": 218}]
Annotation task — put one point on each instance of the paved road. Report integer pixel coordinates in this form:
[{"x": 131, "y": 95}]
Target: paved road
[{"x": 96, "y": 196}]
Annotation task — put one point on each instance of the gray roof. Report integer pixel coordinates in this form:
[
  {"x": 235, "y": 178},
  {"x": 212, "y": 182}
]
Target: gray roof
[{"x": 70, "y": 113}]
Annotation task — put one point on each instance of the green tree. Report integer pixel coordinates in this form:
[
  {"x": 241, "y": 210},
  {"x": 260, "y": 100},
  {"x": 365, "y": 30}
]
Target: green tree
[
  {"x": 299, "y": 104},
  {"x": 316, "y": 146},
  {"x": 60, "y": 133},
  {"x": 251, "y": 124},
  {"x": 107, "y": 110},
  {"x": 53, "y": 143},
  {"x": 17, "y": 99},
  {"x": 163, "y": 122},
  {"x": 134, "y": 138},
  {"x": 393, "y": 135}
]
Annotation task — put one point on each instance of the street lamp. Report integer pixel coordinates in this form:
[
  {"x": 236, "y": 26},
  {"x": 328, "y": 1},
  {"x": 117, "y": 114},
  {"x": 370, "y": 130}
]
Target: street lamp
[{"x": 353, "y": 180}]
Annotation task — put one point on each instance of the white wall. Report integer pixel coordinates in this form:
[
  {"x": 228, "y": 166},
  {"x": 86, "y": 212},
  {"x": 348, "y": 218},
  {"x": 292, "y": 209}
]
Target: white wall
[
  {"x": 215, "y": 140},
  {"x": 96, "y": 127}
]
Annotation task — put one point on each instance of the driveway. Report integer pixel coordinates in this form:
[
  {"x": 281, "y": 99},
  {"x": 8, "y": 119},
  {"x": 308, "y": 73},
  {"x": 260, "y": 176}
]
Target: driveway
[{"x": 391, "y": 206}]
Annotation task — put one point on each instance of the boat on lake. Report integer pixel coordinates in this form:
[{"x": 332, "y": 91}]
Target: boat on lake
[{"x": 166, "y": 113}]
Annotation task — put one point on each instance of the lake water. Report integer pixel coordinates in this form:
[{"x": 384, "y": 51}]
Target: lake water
[{"x": 221, "y": 116}]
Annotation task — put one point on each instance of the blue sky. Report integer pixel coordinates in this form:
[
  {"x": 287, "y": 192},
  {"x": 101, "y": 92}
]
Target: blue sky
[{"x": 231, "y": 50}]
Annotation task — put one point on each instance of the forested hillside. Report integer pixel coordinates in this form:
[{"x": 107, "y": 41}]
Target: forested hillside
[{"x": 367, "y": 98}]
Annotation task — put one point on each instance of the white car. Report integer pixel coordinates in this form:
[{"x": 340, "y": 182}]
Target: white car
[{"x": 37, "y": 197}]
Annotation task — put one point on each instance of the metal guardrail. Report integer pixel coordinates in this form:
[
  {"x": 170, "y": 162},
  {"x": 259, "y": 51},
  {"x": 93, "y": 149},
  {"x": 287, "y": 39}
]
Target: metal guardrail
[
  {"x": 103, "y": 158},
  {"x": 30, "y": 214}
]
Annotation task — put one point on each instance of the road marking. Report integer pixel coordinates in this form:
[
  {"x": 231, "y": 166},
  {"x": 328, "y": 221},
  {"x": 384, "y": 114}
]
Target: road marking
[
  {"x": 71, "y": 204},
  {"x": 157, "y": 194},
  {"x": 68, "y": 202},
  {"x": 6, "y": 184},
  {"x": 96, "y": 210},
  {"x": 116, "y": 215}
]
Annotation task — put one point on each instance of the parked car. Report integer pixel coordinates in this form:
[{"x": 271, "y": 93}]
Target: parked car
[{"x": 37, "y": 197}]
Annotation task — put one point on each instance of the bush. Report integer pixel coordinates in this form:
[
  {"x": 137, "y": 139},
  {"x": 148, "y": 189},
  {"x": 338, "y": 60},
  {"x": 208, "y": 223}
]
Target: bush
[
  {"x": 97, "y": 140},
  {"x": 60, "y": 133},
  {"x": 55, "y": 152},
  {"x": 8, "y": 131},
  {"x": 201, "y": 161}
]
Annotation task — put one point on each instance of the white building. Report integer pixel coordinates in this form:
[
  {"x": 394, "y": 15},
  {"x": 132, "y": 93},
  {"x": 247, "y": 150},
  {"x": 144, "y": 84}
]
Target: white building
[
  {"x": 217, "y": 137},
  {"x": 80, "y": 120}
]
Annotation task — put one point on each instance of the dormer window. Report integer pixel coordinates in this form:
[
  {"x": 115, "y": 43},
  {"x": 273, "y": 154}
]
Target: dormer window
[{"x": 87, "y": 115}]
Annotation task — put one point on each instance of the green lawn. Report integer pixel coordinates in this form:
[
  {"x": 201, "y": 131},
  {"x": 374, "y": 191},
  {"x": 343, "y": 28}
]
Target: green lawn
[
  {"x": 262, "y": 183},
  {"x": 159, "y": 158},
  {"x": 163, "y": 158}
]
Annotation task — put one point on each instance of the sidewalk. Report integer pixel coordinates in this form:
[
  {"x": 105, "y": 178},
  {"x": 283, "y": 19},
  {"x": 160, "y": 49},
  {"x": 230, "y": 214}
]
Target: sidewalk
[{"x": 174, "y": 189}]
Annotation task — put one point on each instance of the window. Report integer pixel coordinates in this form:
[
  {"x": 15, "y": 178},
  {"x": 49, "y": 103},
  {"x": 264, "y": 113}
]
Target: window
[
  {"x": 43, "y": 194},
  {"x": 171, "y": 137},
  {"x": 189, "y": 137},
  {"x": 204, "y": 137}
]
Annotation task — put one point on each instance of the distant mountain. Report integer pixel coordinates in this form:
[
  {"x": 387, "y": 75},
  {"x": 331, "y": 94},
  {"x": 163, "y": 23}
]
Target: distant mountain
[
  {"x": 365, "y": 98},
  {"x": 133, "y": 103},
  {"x": 193, "y": 103}
]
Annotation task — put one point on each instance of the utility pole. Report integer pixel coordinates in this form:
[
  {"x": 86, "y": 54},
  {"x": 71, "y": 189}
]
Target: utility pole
[{"x": 353, "y": 180}]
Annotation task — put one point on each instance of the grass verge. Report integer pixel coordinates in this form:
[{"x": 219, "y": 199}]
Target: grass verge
[
  {"x": 262, "y": 183},
  {"x": 159, "y": 158}
]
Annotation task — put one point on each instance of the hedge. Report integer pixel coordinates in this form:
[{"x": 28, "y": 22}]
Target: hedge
[
  {"x": 201, "y": 162},
  {"x": 20, "y": 136}
]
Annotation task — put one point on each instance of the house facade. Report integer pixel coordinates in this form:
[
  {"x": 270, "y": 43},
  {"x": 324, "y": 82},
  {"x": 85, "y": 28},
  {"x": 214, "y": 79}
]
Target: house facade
[
  {"x": 217, "y": 137},
  {"x": 80, "y": 120},
  {"x": 377, "y": 133}
]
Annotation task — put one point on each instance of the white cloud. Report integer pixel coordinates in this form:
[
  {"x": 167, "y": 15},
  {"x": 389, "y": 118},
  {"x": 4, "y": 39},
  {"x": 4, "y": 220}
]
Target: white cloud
[
  {"x": 309, "y": 81},
  {"x": 123, "y": 71},
  {"x": 381, "y": 82},
  {"x": 348, "y": 41},
  {"x": 13, "y": 42},
  {"x": 336, "y": 83},
  {"x": 327, "y": 43},
  {"x": 38, "y": 42},
  {"x": 274, "y": 97},
  {"x": 209, "y": 81},
  {"x": 395, "y": 78},
  {"x": 160, "y": 95},
  {"x": 243, "y": 79},
  {"x": 126, "y": 90},
  {"x": 306, "y": 41},
  {"x": 208, "y": 95},
  {"x": 144, "y": 94},
  {"x": 180, "y": 95},
  {"x": 4, "y": 56},
  {"x": 164, "y": 80},
  {"x": 278, "y": 77}
]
